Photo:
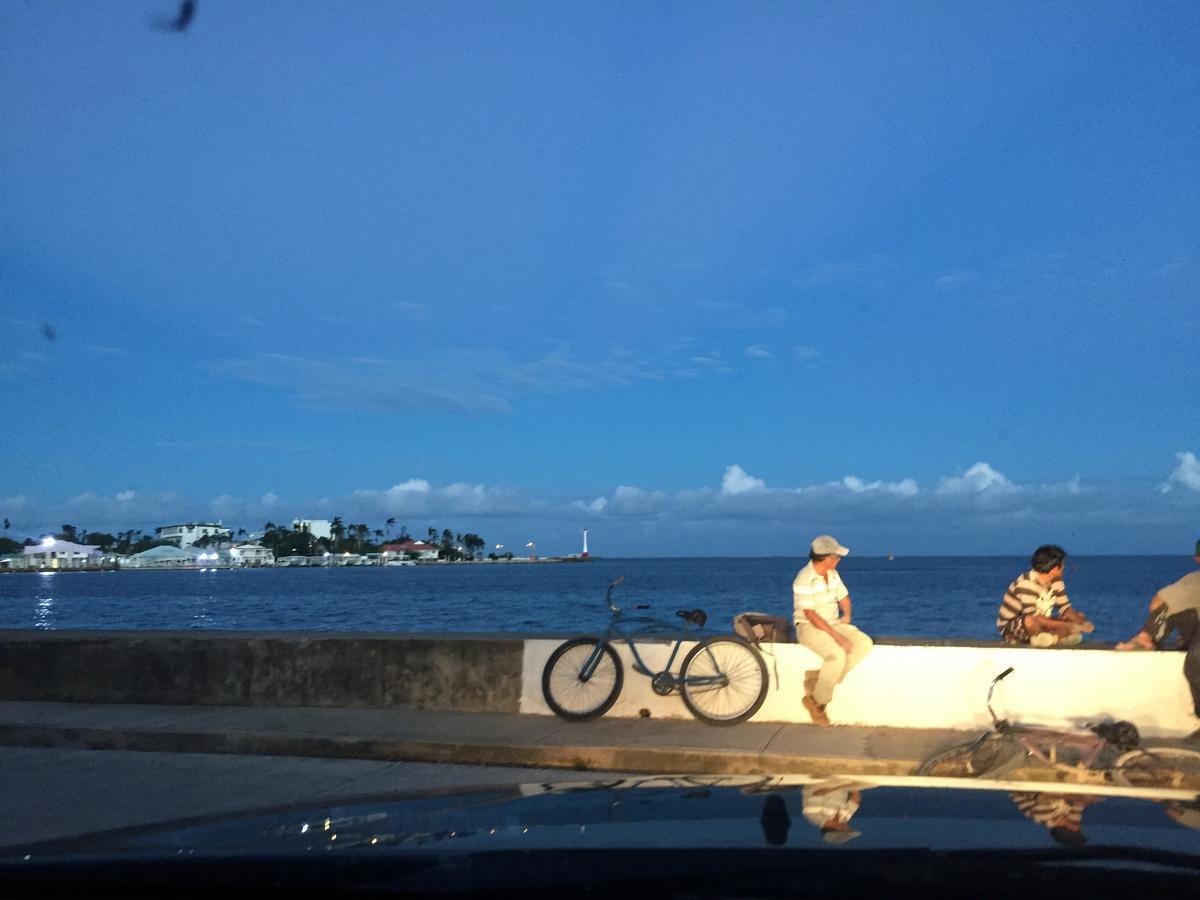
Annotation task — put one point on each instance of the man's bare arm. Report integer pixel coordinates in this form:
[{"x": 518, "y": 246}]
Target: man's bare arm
[{"x": 818, "y": 620}]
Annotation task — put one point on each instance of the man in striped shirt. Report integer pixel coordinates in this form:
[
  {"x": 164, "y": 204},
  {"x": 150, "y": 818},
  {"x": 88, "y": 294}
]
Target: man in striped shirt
[
  {"x": 1036, "y": 609},
  {"x": 821, "y": 609}
]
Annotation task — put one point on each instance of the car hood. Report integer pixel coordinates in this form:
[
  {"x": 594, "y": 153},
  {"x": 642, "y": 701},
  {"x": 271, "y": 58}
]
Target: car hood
[{"x": 729, "y": 836}]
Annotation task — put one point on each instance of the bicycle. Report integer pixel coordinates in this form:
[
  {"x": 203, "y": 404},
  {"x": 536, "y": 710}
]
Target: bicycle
[
  {"x": 722, "y": 679},
  {"x": 1107, "y": 750}
]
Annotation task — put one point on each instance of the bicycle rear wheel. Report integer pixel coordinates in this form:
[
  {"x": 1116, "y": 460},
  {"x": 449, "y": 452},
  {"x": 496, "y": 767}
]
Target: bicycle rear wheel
[
  {"x": 1165, "y": 767},
  {"x": 568, "y": 693},
  {"x": 988, "y": 757},
  {"x": 723, "y": 681}
]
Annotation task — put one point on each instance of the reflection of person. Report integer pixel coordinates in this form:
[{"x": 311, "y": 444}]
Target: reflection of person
[
  {"x": 1176, "y": 608},
  {"x": 1062, "y": 814},
  {"x": 1028, "y": 612},
  {"x": 775, "y": 820},
  {"x": 821, "y": 608},
  {"x": 830, "y": 805},
  {"x": 1185, "y": 812}
]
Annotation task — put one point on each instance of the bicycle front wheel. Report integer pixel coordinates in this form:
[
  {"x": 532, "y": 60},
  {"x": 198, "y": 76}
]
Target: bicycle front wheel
[
  {"x": 988, "y": 757},
  {"x": 574, "y": 697},
  {"x": 723, "y": 681},
  {"x": 1161, "y": 767}
]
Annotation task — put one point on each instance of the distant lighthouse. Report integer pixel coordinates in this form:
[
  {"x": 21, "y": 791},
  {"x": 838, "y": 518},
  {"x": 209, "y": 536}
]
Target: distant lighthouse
[{"x": 584, "y": 555}]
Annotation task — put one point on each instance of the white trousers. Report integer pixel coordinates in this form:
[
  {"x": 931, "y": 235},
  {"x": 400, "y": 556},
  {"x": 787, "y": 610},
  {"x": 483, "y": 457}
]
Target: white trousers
[{"x": 836, "y": 662}]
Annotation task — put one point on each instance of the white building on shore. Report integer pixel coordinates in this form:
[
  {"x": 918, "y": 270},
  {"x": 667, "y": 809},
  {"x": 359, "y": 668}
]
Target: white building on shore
[
  {"x": 188, "y": 534},
  {"x": 56, "y": 554},
  {"x": 251, "y": 554}
]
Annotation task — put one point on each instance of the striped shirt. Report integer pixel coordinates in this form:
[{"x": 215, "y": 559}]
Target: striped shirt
[
  {"x": 812, "y": 591},
  {"x": 1065, "y": 809},
  {"x": 1027, "y": 596}
]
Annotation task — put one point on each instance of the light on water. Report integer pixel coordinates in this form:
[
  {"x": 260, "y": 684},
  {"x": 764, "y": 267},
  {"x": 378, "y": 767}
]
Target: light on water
[{"x": 954, "y": 597}]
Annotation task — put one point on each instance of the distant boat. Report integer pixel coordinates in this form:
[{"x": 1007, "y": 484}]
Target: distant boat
[{"x": 891, "y": 556}]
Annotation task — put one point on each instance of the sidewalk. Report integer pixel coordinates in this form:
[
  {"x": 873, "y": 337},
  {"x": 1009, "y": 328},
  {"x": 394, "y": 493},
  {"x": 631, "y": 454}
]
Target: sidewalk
[{"x": 673, "y": 746}]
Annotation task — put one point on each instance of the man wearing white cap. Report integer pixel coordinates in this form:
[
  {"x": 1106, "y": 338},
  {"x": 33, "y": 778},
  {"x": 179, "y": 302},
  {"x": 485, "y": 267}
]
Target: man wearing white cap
[{"x": 822, "y": 615}]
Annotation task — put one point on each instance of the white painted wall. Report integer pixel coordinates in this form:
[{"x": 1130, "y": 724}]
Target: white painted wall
[{"x": 938, "y": 687}]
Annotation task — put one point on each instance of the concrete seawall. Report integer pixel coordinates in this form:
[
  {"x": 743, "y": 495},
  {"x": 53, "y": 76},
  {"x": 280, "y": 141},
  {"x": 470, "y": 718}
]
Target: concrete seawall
[
  {"x": 474, "y": 673},
  {"x": 901, "y": 684}
]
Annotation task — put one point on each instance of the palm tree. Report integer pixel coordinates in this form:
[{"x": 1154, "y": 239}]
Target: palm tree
[
  {"x": 391, "y": 522},
  {"x": 337, "y": 531}
]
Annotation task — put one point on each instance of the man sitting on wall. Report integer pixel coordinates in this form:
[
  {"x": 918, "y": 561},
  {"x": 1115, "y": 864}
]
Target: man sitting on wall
[
  {"x": 1176, "y": 608},
  {"x": 1036, "y": 609},
  {"x": 821, "y": 608}
]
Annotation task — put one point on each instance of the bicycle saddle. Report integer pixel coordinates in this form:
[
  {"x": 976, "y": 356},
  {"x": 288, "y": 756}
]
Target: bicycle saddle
[
  {"x": 693, "y": 616},
  {"x": 1123, "y": 734}
]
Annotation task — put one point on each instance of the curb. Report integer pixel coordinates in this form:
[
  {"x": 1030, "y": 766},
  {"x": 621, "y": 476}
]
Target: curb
[{"x": 679, "y": 761}]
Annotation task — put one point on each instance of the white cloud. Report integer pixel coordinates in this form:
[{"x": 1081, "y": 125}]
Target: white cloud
[
  {"x": 1072, "y": 487},
  {"x": 758, "y": 351},
  {"x": 1186, "y": 472},
  {"x": 126, "y": 496},
  {"x": 906, "y": 487},
  {"x": 418, "y": 496},
  {"x": 713, "y": 362},
  {"x": 269, "y": 499},
  {"x": 593, "y": 506},
  {"x": 976, "y": 480},
  {"x": 804, "y": 353},
  {"x": 737, "y": 481},
  {"x": 417, "y": 485},
  {"x": 634, "y": 501}
]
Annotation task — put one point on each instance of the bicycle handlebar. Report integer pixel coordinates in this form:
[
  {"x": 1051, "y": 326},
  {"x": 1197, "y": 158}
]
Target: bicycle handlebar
[
  {"x": 997, "y": 723},
  {"x": 608, "y": 596}
]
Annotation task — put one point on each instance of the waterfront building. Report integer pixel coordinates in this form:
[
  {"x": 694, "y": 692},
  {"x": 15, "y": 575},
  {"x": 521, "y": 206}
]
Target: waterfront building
[
  {"x": 162, "y": 557},
  {"x": 251, "y": 554},
  {"x": 56, "y": 554},
  {"x": 188, "y": 534},
  {"x": 402, "y": 550}
]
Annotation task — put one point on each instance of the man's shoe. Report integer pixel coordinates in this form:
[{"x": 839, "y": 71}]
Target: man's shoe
[
  {"x": 1070, "y": 640},
  {"x": 810, "y": 681},
  {"x": 1043, "y": 639},
  {"x": 1193, "y": 738},
  {"x": 815, "y": 710}
]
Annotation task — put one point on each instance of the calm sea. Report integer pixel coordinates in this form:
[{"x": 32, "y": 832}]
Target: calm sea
[{"x": 916, "y": 596}]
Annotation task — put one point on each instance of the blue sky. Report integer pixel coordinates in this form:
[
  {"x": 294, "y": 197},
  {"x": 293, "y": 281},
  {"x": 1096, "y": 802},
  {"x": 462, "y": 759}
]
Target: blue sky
[{"x": 699, "y": 277}]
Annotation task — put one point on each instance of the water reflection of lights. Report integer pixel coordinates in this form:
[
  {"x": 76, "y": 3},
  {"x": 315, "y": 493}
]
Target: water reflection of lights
[{"x": 46, "y": 614}]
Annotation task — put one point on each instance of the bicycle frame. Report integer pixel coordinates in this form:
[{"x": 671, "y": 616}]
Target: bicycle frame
[
  {"x": 627, "y": 627},
  {"x": 1036, "y": 740}
]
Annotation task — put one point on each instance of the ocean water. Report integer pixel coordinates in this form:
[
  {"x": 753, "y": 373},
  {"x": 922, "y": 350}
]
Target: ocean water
[{"x": 917, "y": 597}]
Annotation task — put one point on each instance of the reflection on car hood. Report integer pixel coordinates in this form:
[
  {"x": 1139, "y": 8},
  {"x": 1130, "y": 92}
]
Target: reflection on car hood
[{"x": 688, "y": 832}]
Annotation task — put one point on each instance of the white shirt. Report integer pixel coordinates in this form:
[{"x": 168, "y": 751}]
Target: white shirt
[
  {"x": 817, "y": 592},
  {"x": 836, "y": 804}
]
